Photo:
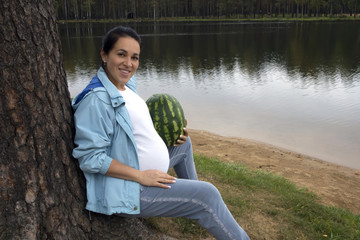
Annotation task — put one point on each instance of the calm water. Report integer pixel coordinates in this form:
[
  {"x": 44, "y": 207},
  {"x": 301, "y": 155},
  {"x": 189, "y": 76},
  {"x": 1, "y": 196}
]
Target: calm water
[{"x": 293, "y": 85}]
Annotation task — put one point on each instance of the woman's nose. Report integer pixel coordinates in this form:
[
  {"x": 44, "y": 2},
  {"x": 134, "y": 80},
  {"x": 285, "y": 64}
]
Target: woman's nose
[{"x": 127, "y": 62}]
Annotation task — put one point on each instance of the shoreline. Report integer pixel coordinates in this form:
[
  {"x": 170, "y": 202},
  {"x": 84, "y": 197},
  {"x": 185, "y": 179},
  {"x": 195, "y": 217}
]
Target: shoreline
[
  {"x": 335, "y": 185},
  {"x": 342, "y": 18}
]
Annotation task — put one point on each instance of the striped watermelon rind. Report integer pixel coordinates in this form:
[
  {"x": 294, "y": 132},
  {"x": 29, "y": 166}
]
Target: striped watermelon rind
[{"x": 168, "y": 117}]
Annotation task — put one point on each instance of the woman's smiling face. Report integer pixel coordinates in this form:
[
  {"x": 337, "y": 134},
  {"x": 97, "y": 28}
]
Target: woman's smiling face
[{"x": 122, "y": 61}]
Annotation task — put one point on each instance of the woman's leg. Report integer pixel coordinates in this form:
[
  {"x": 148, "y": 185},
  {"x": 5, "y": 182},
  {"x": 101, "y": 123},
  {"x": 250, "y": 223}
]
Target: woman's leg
[
  {"x": 195, "y": 200},
  {"x": 190, "y": 198},
  {"x": 181, "y": 159}
]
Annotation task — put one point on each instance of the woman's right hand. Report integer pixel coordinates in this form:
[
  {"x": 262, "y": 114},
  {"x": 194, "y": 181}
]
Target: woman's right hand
[
  {"x": 150, "y": 178},
  {"x": 155, "y": 178}
]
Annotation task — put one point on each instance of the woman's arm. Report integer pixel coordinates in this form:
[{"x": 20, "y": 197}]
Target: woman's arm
[
  {"x": 153, "y": 178},
  {"x": 92, "y": 138}
]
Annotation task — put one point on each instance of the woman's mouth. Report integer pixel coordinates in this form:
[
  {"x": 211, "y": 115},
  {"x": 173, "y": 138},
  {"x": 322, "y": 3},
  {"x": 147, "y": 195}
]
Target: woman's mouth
[{"x": 125, "y": 72}]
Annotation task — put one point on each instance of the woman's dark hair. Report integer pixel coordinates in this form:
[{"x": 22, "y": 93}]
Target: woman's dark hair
[{"x": 114, "y": 34}]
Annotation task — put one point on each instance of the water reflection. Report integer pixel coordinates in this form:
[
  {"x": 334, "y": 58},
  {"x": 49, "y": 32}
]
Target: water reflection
[{"x": 270, "y": 82}]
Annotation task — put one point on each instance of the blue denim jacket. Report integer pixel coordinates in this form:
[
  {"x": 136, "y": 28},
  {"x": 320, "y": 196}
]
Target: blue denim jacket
[{"x": 104, "y": 132}]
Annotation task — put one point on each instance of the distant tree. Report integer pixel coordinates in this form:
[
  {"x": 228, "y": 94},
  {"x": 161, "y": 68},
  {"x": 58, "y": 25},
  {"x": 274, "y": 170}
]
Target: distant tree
[
  {"x": 42, "y": 193},
  {"x": 153, "y": 9}
]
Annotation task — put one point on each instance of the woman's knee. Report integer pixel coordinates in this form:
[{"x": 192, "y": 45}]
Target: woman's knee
[{"x": 209, "y": 192}]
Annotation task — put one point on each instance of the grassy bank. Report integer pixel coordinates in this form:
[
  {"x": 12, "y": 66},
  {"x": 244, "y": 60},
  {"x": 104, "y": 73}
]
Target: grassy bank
[{"x": 267, "y": 206}]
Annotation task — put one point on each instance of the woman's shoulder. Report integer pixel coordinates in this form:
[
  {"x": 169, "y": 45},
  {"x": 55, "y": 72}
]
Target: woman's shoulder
[
  {"x": 94, "y": 97},
  {"x": 102, "y": 95}
]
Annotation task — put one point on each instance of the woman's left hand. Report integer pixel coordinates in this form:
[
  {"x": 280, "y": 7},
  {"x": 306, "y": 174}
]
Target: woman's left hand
[{"x": 182, "y": 138}]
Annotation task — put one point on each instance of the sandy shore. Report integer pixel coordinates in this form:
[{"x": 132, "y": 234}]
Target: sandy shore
[{"x": 336, "y": 185}]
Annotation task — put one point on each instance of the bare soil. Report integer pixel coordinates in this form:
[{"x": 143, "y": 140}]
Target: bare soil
[{"x": 336, "y": 185}]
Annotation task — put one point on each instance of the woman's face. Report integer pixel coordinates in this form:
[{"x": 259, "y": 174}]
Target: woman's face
[{"x": 122, "y": 61}]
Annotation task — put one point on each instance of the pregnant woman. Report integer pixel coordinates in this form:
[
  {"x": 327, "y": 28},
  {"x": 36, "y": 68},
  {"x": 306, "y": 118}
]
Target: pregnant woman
[{"x": 125, "y": 161}]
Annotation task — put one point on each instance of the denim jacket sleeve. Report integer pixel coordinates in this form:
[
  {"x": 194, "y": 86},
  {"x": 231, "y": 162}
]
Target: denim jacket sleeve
[{"x": 94, "y": 121}]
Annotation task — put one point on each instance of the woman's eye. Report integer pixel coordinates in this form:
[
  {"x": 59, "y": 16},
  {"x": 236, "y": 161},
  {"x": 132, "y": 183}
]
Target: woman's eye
[{"x": 135, "y": 58}]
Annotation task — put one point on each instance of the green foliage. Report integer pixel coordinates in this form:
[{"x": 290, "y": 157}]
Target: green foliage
[{"x": 160, "y": 9}]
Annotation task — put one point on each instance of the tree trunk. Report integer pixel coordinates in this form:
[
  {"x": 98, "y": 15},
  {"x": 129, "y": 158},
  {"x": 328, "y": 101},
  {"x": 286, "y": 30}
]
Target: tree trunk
[
  {"x": 42, "y": 190},
  {"x": 355, "y": 8}
]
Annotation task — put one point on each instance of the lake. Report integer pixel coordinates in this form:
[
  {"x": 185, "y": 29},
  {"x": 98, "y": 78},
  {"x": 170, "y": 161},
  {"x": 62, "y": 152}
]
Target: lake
[{"x": 292, "y": 85}]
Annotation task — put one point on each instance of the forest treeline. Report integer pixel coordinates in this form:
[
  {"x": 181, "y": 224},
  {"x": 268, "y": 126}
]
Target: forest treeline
[{"x": 156, "y": 9}]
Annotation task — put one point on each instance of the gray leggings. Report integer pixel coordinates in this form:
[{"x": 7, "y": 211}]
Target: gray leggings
[{"x": 190, "y": 198}]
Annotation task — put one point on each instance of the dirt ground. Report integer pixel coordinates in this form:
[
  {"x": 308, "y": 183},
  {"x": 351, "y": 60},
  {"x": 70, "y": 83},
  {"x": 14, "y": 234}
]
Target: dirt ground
[{"x": 335, "y": 185}]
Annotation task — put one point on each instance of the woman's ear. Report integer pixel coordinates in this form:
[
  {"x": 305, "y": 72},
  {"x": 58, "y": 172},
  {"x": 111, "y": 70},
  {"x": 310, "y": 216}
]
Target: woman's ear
[{"x": 103, "y": 56}]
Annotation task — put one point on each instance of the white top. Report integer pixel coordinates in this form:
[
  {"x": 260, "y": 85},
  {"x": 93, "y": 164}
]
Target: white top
[{"x": 152, "y": 151}]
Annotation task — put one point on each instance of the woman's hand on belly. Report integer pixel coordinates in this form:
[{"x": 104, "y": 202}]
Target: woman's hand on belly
[
  {"x": 150, "y": 178},
  {"x": 155, "y": 178}
]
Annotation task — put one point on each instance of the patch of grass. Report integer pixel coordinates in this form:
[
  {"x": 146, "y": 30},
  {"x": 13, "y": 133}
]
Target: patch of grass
[
  {"x": 180, "y": 228},
  {"x": 267, "y": 206}
]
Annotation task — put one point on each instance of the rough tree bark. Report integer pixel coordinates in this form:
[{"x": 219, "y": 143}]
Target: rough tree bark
[{"x": 42, "y": 194}]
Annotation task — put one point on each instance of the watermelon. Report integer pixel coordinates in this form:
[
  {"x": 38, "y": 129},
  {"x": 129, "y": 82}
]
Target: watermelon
[{"x": 167, "y": 116}]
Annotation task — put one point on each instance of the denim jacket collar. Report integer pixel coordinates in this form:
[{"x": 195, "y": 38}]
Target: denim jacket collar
[{"x": 115, "y": 97}]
